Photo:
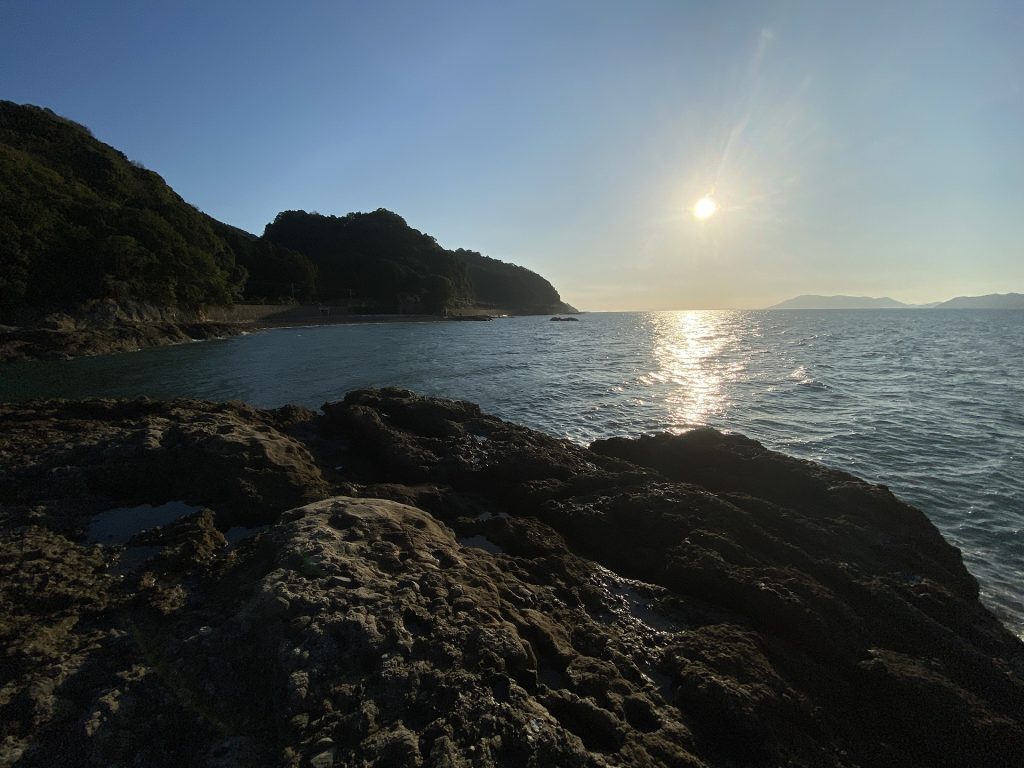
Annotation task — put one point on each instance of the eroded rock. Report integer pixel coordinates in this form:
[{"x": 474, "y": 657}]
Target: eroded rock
[{"x": 514, "y": 600}]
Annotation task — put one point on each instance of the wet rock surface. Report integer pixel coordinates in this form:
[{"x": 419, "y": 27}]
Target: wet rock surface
[{"x": 427, "y": 585}]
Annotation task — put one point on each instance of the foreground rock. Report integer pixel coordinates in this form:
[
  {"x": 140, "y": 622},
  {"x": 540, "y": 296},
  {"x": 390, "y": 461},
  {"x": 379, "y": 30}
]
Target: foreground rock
[{"x": 429, "y": 585}]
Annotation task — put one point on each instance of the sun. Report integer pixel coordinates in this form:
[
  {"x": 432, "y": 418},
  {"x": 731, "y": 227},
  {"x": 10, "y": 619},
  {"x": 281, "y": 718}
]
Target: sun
[{"x": 705, "y": 208}]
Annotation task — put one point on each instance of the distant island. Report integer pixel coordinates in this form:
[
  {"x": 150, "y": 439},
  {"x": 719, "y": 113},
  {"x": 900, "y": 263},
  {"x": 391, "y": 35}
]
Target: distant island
[
  {"x": 839, "y": 302},
  {"x": 89, "y": 238},
  {"x": 991, "y": 301}
]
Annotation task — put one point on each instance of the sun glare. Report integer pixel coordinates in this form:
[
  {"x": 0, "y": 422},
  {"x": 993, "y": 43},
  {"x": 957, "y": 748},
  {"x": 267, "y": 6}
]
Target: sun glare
[{"x": 705, "y": 208}]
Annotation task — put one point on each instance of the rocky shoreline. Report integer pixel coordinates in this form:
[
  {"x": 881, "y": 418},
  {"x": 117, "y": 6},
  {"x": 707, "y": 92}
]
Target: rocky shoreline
[
  {"x": 70, "y": 339},
  {"x": 104, "y": 327},
  {"x": 24, "y": 344},
  {"x": 411, "y": 582}
]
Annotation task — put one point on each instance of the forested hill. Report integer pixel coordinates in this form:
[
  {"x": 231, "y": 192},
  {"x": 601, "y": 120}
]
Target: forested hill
[
  {"x": 79, "y": 221},
  {"x": 379, "y": 257}
]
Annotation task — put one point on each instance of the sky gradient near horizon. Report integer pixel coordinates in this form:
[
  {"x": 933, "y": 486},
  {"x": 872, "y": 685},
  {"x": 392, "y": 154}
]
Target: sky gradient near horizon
[{"x": 858, "y": 148}]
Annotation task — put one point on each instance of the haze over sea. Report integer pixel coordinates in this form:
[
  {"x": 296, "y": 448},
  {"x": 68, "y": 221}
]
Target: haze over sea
[{"x": 930, "y": 403}]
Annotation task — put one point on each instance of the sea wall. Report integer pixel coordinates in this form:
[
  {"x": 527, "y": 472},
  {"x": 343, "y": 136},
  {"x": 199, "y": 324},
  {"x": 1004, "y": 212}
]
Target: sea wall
[{"x": 400, "y": 580}]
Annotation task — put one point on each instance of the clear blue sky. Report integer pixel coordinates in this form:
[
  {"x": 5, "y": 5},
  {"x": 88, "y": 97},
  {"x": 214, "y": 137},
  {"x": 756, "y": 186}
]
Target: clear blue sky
[{"x": 855, "y": 147}]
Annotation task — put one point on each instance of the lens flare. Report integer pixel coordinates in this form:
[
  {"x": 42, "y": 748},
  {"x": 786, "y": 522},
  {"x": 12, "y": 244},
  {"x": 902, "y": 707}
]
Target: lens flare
[{"x": 705, "y": 208}]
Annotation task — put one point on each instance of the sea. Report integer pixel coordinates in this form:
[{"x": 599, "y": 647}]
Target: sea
[{"x": 929, "y": 402}]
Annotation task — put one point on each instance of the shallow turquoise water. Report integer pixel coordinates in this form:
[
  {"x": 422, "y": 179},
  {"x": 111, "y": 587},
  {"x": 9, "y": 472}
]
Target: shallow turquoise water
[{"x": 929, "y": 402}]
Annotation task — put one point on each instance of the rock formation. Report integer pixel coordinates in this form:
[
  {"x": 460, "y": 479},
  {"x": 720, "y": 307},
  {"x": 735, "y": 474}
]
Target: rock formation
[
  {"x": 64, "y": 342},
  {"x": 427, "y": 585}
]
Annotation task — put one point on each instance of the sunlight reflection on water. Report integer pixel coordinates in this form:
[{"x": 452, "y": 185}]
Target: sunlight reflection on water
[
  {"x": 929, "y": 402},
  {"x": 688, "y": 347}
]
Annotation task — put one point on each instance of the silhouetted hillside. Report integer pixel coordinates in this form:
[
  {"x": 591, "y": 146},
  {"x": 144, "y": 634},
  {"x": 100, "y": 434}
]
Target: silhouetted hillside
[
  {"x": 78, "y": 221},
  {"x": 274, "y": 272},
  {"x": 501, "y": 284},
  {"x": 373, "y": 258},
  {"x": 378, "y": 258}
]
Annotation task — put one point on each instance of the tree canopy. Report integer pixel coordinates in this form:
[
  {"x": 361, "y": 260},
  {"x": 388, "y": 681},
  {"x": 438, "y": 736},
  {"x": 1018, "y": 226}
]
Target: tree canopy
[
  {"x": 375, "y": 257},
  {"x": 378, "y": 257},
  {"x": 79, "y": 221}
]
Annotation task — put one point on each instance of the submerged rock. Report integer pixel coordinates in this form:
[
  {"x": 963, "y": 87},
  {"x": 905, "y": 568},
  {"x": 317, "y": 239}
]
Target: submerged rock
[{"x": 438, "y": 587}]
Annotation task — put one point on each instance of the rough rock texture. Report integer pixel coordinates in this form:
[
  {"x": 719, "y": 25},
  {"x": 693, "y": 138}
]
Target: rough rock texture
[
  {"x": 61, "y": 462},
  {"x": 65, "y": 342},
  {"x": 474, "y": 593}
]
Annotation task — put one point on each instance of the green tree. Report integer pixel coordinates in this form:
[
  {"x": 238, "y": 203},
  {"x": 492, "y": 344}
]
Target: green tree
[{"x": 438, "y": 294}]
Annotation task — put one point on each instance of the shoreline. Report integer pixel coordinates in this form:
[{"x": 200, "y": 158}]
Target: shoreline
[
  {"x": 313, "y": 322},
  {"x": 25, "y": 344}
]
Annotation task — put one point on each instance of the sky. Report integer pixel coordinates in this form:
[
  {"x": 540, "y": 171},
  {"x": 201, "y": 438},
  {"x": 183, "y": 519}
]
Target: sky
[{"x": 858, "y": 148}]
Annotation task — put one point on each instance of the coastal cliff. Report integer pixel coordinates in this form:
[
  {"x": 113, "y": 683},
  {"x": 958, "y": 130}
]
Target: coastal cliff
[{"x": 410, "y": 581}]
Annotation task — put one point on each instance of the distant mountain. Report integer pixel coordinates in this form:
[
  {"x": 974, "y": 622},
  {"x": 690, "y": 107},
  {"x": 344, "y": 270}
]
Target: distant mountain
[
  {"x": 840, "y": 302},
  {"x": 991, "y": 301}
]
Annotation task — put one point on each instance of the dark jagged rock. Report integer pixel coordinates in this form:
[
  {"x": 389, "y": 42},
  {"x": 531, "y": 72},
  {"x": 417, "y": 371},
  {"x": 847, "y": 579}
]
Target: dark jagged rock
[
  {"x": 102, "y": 327},
  {"x": 19, "y": 344},
  {"x": 437, "y": 587},
  {"x": 64, "y": 461}
]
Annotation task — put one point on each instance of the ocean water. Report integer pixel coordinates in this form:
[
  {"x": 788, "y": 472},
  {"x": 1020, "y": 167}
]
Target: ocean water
[{"x": 929, "y": 402}]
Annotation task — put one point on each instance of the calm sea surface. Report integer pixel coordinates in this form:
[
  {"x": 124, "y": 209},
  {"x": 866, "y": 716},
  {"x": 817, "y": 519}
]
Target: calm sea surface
[{"x": 929, "y": 402}]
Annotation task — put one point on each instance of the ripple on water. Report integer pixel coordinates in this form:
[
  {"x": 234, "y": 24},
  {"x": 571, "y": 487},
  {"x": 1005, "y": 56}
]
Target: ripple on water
[{"x": 930, "y": 403}]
